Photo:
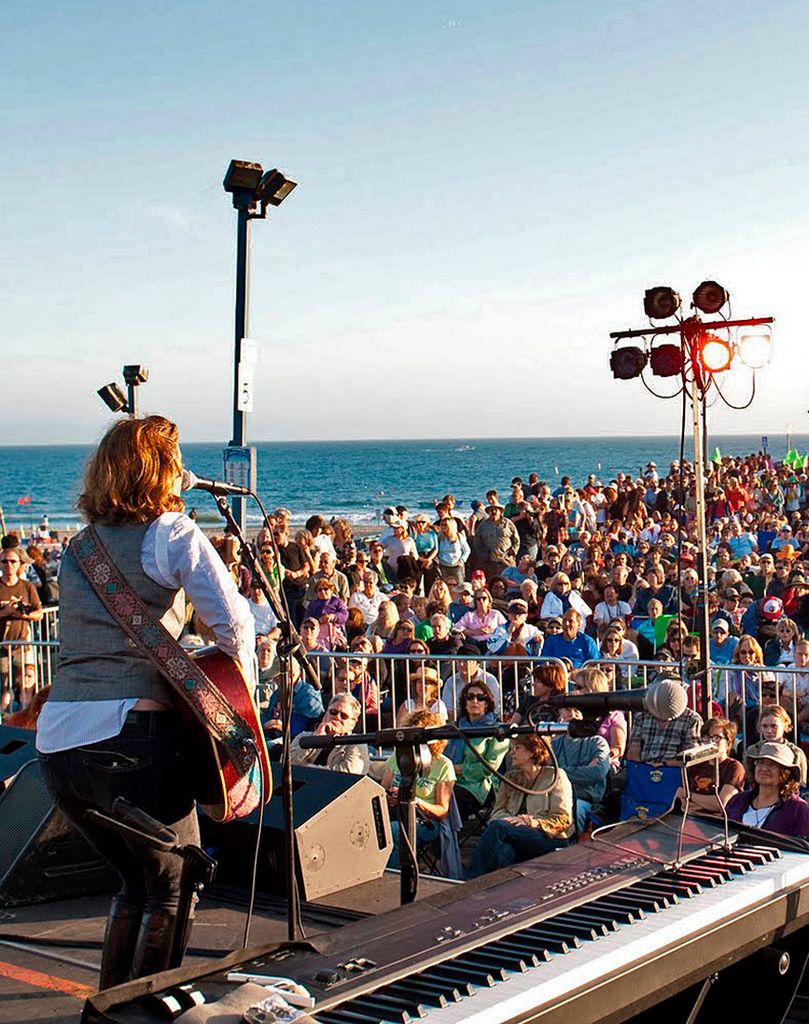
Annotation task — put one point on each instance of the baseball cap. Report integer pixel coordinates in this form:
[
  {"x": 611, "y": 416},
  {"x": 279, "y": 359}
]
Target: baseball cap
[{"x": 772, "y": 608}]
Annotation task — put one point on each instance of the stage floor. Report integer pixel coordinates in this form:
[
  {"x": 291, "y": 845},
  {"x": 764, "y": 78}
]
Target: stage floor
[{"x": 50, "y": 981}]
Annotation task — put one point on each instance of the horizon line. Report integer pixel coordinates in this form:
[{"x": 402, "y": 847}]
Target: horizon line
[{"x": 402, "y": 440}]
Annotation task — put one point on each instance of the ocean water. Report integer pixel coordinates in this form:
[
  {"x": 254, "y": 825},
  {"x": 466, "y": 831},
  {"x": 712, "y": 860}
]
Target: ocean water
[{"x": 357, "y": 479}]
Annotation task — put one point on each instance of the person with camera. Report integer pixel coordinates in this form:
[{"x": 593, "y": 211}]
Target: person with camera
[{"x": 19, "y": 605}]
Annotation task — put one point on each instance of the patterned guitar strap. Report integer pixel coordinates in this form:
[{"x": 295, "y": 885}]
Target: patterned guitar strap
[{"x": 155, "y": 642}]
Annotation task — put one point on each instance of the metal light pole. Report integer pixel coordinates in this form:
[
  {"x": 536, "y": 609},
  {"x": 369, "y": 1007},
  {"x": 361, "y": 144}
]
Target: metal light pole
[
  {"x": 253, "y": 191},
  {"x": 134, "y": 376},
  {"x": 242, "y": 259}
]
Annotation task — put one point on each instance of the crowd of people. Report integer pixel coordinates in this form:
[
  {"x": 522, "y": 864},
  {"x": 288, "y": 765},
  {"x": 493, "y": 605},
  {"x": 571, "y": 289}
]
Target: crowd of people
[{"x": 417, "y": 625}]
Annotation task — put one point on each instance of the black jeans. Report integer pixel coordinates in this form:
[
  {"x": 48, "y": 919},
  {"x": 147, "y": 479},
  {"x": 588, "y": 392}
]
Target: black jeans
[{"x": 146, "y": 765}]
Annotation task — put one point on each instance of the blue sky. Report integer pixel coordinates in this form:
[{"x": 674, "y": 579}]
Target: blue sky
[{"x": 485, "y": 192}]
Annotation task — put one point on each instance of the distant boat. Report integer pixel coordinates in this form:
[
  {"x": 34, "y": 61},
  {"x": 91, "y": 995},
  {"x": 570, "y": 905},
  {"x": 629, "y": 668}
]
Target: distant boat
[{"x": 465, "y": 448}]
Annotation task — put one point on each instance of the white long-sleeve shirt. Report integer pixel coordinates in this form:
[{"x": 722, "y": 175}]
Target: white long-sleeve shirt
[{"x": 175, "y": 554}]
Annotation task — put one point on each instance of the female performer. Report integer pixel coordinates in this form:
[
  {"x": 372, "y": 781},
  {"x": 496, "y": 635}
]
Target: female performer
[{"x": 110, "y": 728}]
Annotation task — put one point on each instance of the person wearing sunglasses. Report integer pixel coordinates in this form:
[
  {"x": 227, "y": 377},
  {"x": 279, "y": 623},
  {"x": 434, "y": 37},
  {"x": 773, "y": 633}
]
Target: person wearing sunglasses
[
  {"x": 19, "y": 605},
  {"x": 270, "y": 565},
  {"x": 479, "y": 625},
  {"x": 473, "y": 785},
  {"x": 340, "y": 719}
]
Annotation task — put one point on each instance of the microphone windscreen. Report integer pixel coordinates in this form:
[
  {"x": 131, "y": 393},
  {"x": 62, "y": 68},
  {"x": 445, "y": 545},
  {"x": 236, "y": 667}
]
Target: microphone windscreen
[
  {"x": 666, "y": 700},
  {"x": 189, "y": 480}
]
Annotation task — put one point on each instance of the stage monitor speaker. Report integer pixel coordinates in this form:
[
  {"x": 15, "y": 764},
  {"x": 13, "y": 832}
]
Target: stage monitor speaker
[
  {"x": 342, "y": 835},
  {"x": 42, "y": 856},
  {"x": 17, "y": 747}
]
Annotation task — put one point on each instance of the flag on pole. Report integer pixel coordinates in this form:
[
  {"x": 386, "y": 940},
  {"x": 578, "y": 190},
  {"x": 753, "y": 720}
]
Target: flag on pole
[{"x": 716, "y": 456}]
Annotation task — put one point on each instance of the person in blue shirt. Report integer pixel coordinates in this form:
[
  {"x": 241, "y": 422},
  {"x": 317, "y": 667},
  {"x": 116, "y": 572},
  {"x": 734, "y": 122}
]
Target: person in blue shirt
[
  {"x": 514, "y": 575},
  {"x": 307, "y": 708},
  {"x": 740, "y": 542},
  {"x": 723, "y": 645},
  {"x": 572, "y": 642}
]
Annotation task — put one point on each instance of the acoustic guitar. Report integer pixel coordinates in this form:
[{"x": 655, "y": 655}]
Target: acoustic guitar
[{"x": 222, "y": 791}]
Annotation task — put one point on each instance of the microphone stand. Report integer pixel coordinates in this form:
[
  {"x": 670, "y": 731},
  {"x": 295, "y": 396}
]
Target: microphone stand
[
  {"x": 413, "y": 759},
  {"x": 289, "y": 646}
]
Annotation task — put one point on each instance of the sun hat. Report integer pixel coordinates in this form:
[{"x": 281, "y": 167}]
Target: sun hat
[
  {"x": 494, "y": 504},
  {"x": 463, "y": 588},
  {"x": 786, "y": 552},
  {"x": 518, "y": 605},
  {"x": 781, "y": 754}
]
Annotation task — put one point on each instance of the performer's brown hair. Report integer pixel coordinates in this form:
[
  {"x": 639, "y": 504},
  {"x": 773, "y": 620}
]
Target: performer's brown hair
[{"x": 131, "y": 475}]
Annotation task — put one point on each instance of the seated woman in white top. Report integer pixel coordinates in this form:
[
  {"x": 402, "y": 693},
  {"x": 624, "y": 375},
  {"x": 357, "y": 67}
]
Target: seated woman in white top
[{"x": 426, "y": 685}]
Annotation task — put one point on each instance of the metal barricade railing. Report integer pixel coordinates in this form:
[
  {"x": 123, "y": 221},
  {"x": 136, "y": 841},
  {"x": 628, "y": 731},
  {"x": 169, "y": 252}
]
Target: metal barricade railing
[
  {"x": 25, "y": 667},
  {"x": 745, "y": 690},
  {"x": 754, "y": 685},
  {"x": 46, "y": 632},
  {"x": 386, "y": 680}
]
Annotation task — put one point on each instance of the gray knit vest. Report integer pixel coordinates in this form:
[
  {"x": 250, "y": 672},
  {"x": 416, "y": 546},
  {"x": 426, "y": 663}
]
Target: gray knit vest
[{"x": 97, "y": 661}]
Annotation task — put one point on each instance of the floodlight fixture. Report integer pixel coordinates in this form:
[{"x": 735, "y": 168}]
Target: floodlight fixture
[
  {"x": 661, "y": 302},
  {"x": 242, "y": 176},
  {"x": 134, "y": 374},
  {"x": 755, "y": 349},
  {"x": 666, "y": 360},
  {"x": 709, "y": 297},
  {"x": 274, "y": 187},
  {"x": 715, "y": 353},
  {"x": 112, "y": 396},
  {"x": 628, "y": 362}
]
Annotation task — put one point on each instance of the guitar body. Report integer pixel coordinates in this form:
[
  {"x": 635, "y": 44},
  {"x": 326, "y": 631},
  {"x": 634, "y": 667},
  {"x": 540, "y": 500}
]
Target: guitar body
[{"x": 222, "y": 791}]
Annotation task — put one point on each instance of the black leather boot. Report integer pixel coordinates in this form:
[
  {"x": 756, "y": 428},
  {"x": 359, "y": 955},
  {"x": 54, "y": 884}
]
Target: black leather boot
[
  {"x": 120, "y": 938},
  {"x": 155, "y": 941}
]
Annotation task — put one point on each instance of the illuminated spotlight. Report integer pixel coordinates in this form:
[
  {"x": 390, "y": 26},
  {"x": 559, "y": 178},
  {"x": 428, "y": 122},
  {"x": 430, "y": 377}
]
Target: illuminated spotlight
[
  {"x": 666, "y": 360},
  {"x": 755, "y": 350},
  {"x": 627, "y": 363},
  {"x": 660, "y": 303},
  {"x": 715, "y": 353},
  {"x": 709, "y": 297}
]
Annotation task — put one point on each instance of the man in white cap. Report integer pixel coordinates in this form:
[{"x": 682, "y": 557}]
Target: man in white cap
[{"x": 723, "y": 645}]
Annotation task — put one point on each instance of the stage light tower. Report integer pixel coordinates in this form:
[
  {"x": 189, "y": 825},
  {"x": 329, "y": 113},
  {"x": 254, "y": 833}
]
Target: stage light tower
[{"x": 695, "y": 355}]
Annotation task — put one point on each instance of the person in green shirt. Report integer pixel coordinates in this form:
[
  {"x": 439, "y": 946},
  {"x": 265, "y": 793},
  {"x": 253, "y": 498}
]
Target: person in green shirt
[
  {"x": 473, "y": 775},
  {"x": 433, "y": 791}
]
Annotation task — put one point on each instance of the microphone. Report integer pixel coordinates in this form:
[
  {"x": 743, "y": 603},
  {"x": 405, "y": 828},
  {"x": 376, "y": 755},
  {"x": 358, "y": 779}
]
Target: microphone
[
  {"x": 665, "y": 700},
  {"x": 192, "y": 482}
]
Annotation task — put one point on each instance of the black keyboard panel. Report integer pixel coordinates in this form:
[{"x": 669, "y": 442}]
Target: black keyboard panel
[{"x": 409, "y": 998}]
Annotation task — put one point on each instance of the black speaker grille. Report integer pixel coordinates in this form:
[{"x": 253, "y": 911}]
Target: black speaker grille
[{"x": 24, "y": 806}]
